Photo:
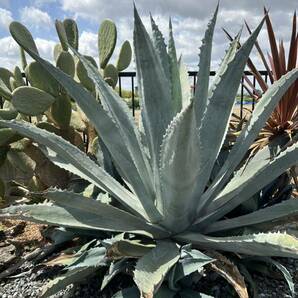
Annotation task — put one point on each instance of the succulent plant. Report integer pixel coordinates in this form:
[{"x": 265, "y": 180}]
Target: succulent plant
[{"x": 169, "y": 219}]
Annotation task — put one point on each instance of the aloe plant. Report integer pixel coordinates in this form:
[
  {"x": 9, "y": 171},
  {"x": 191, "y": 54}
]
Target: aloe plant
[{"x": 165, "y": 219}]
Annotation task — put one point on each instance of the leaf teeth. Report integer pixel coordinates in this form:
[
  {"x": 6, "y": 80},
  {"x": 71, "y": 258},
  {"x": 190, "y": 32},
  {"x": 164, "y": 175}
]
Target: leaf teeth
[{"x": 170, "y": 129}]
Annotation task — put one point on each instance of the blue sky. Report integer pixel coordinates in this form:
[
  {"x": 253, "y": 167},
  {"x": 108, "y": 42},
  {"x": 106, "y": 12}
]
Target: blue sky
[{"x": 189, "y": 20}]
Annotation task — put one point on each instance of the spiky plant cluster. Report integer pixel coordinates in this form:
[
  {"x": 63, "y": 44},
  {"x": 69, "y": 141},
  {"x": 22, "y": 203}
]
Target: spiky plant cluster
[{"x": 161, "y": 221}]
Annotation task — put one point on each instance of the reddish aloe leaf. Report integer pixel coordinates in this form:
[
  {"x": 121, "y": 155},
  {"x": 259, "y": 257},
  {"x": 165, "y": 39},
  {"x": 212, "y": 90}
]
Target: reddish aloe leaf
[
  {"x": 273, "y": 45},
  {"x": 292, "y": 59},
  {"x": 261, "y": 55}
]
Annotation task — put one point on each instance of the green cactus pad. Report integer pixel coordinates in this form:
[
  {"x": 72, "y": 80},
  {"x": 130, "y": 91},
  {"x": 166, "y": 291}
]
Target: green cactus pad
[
  {"x": 4, "y": 90},
  {"x": 23, "y": 58},
  {"x": 8, "y": 136},
  {"x": 2, "y": 189},
  {"x": 21, "y": 34},
  {"x": 125, "y": 55},
  {"x": 21, "y": 161},
  {"x": 3, "y": 154},
  {"x": 66, "y": 63},
  {"x": 57, "y": 50},
  {"x": 111, "y": 75},
  {"x": 31, "y": 101},
  {"x": 62, "y": 35},
  {"x": 49, "y": 127},
  {"x": 12, "y": 83},
  {"x": 72, "y": 32},
  {"x": 107, "y": 36},
  {"x": 8, "y": 114},
  {"x": 41, "y": 79},
  {"x": 18, "y": 77},
  {"x": 82, "y": 73},
  {"x": 61, "y": 111},
  {"x": 5, "y": 75}
]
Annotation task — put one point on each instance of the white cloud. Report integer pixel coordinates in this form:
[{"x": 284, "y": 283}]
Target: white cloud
[
  {"x": 43, "y": 2},
  {"x": 88, "y": 44},
  {"x": 5, "y": 18},
  {"x": 35, "y": 18},
  {"x": 9, "y": 54}
]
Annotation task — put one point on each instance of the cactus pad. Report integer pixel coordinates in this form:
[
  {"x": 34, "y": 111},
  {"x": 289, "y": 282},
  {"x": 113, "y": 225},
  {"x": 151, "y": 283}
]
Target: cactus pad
[
  {"x": 31, "y": 101},
  {"x": 124, "y": 58},
  {"x": 61, "y": 111},
  {"x": 66, "y": 63},
  {"x": 61, "y": 34},
  {"x": 107, "y": 36},
  {"x": 111, "y": 75},
  {"x": 72, "y": 32},
  {"x": 82, "y": 73},
  {"x": 21, "y": 33},
  {"x": 41, "y": 79}
]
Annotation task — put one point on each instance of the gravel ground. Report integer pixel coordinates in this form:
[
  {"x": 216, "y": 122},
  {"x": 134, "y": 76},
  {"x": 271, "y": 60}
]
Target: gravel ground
[{"x": 31, "y": 279}]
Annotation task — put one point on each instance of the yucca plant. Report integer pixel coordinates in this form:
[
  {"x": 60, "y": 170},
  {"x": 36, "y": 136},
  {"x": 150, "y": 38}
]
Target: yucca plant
[{"x": 169, "y": 220}]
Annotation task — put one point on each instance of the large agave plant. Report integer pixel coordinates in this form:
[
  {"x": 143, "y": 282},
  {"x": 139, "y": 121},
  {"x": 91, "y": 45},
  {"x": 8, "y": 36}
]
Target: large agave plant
[{"x": 171, "y": 216}]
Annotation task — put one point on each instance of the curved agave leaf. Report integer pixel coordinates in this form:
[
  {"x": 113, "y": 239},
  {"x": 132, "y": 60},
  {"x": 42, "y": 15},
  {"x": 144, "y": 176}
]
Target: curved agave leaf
[
  {"x": 155, "y": 91},
  {"x": 174, "y": 73},
  {"x": 160, "y": 47},
  {"x": 179, "y": 152},
  {"x": 73, "y": 159},
  {"x": 76, "y": 211},
  {"x": 215, "y": 120},
  {"x": 151, "y": 268},
  {"x": 184, "y": 80},
  {"x": 278, "y": 211},
  {"x": 262, "y": 244},
  {"x": 253, "y": 179},
  {"x": 260, "y": 115},
  {"x": 201, "y": 94},
  {"x": 128, "y": 130}
]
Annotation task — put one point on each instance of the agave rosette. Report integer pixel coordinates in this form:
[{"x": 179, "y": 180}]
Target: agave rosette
[{"x": 166, "y": 198}]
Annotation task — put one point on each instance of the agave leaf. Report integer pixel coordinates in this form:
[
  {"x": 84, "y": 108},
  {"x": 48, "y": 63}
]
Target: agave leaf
[
  {"x": 155, "y": 91},
  {"x": 285, "y": 273},
  {"x": 94, "y": 256},
  {"x": 115, "y": 268},
  {"x": 179, "y": 152},
  {"x": 188, "y": 293},
  {"x": 129, "y": 132},
  {"x": 75, "y": 211},
  {"x": 174, "y": 73},
  {"x": 70, "y": 277},
  {"x": 151, "y": 269},
  {"x": 127, "y": 293},
  {"x": 184, "y": 80},
  {"x": 219, "y": 107},
  {"x": 127, "y": 249},
  {"x": 201, "y": 94},
  {"x": 160, "y": 47},
  {"x": 191, "y": 260},
  {"x": 230, "y": 273},
  {"x": 269, "y": 214},
  {"x": 253, "y": 179},
  {"x": 260, "y": 115},
  {"x": 263, "y": 244},
  {"x": 73, "y": 159}
]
